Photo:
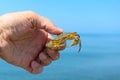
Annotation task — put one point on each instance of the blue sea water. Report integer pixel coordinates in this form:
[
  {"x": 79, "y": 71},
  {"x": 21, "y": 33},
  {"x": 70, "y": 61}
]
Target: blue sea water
[{"x": 99, "y": 59}]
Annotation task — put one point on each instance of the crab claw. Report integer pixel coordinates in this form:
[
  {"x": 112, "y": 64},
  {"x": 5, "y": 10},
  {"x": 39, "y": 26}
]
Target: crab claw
[{"x": 75, "y": 43}]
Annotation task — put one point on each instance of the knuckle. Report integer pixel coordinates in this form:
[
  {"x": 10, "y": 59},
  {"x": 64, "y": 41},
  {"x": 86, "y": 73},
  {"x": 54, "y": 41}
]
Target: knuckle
[
  {"x": 30, "y": 12},
  {"x": 42, "y": 57},
  {"x": 57, "y": 56},
  {"x": 47, "y": 62}
]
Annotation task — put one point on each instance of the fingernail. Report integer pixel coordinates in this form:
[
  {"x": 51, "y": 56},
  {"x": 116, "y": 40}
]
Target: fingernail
[
  {"x": 61, "y": 30},
  {"x": 36, "y": 65},
  {"x": 56, "y": 57}
]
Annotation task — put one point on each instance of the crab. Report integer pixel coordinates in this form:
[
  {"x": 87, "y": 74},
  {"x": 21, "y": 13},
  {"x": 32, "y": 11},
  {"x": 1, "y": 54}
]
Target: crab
[{"x": 56, "y": 43}]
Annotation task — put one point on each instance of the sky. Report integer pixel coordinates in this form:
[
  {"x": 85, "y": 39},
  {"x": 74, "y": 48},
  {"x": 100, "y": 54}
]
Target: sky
[{"x": 83, "y": 16}]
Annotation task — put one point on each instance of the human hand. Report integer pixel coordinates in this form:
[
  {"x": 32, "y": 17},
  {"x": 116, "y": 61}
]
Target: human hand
[{"x": 23, "y": 36}]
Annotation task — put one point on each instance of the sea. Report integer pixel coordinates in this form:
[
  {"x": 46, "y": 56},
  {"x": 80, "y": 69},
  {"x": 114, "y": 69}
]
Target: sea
[{"x": 99, "y": 59}]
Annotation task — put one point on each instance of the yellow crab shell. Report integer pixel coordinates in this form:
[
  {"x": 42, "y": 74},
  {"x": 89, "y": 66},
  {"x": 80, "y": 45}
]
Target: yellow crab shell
[{"x": 62, "y": 38}]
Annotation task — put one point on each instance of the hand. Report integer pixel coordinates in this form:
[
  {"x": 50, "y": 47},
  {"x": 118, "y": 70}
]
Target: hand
[{"x": 23, "y": 36}]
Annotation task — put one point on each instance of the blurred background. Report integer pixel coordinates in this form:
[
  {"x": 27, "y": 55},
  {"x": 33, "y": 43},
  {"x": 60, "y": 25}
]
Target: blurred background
[{"x": 97, "y": 22}]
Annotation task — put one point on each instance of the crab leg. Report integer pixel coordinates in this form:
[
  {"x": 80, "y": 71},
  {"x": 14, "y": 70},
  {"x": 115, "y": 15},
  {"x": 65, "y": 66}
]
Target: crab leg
[{"x": 79, "y": 46}]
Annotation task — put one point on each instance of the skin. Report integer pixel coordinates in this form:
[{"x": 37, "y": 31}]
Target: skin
[{"x": 23, "y": 36}]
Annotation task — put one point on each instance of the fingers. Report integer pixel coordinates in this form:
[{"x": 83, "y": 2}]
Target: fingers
[
  {"x": 47, "y": 56},
  {"x": 44, "y": 59},
  {"x": 53, "y": 54},
  {"x": 36, "y": 67}
]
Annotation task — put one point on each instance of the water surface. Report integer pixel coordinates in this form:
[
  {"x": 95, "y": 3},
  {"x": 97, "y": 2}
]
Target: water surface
[{"x": 99, "y": 59}]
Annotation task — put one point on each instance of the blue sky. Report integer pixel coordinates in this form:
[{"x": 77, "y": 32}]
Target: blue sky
[{"x": 84, "y": 16}]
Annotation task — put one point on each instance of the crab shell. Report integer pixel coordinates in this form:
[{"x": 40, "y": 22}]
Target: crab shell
[{"x": 62, "y": 38}]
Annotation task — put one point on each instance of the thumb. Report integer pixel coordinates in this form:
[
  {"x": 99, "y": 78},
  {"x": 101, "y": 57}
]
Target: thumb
[
  {"x": 44, "y": 23},
  {"x": 48, "y": 26}
]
